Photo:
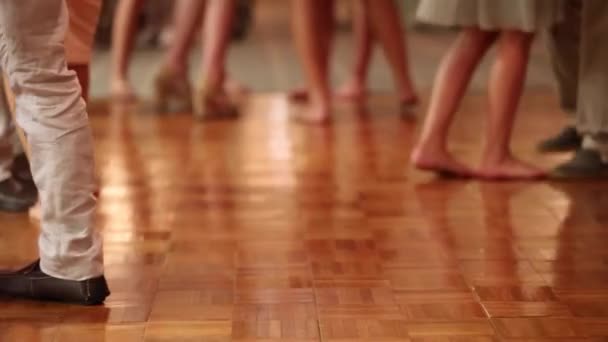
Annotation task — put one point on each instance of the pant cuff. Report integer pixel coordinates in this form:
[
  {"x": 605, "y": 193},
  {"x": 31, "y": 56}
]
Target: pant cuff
[
  {"x": 77, "y": 272},
  {"x": 599, "y": 145}
]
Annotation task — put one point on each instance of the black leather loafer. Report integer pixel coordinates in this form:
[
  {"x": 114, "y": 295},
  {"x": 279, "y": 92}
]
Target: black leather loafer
[
  {"x": 566, "y": 140},
  {"x": 31, "y": 283}
]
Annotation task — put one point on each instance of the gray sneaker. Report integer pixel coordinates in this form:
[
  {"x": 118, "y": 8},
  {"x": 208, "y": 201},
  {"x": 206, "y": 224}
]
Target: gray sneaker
[
  {"x": 584, "y": 165},
  {"x": 566, "y": 140}
]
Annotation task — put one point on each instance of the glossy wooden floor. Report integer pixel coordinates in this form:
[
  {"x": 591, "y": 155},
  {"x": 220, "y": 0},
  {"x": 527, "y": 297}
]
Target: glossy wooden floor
[{"x": 262, "y": 229}]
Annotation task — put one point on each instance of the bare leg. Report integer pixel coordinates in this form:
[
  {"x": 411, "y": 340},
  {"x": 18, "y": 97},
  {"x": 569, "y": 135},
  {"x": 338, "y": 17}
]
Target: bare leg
[
  {"x": 355, "y": 87},
  {"x": 218, "y": 30},
  {"x": 325, "y": 22},
  {"x": 172, "y": 83},
  {"x": 123, "y": 33},
  {"x": 506, "y": 83},
  {"x": 212, "y": 98},
  {"x": 187, "y": 19},
  {"x": 453, "y": 77},
  {"x": 312, "y": 25},
  {"x": 386, "y": 25}
]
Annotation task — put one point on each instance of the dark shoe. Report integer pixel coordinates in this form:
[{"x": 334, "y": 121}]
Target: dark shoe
[
  {"x": 31, "y": 283},
  {"x": 567, "y": 140},
  {"x": 16, "y": 197},
  {"x": 585, "y": 164}
]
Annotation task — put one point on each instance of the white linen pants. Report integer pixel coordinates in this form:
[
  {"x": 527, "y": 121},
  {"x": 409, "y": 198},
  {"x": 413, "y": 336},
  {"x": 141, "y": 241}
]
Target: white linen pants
[
  {"x": 84, "y": 15},
  {"x": 51, "y": 111},
  {"x": 6, "y": 137}
]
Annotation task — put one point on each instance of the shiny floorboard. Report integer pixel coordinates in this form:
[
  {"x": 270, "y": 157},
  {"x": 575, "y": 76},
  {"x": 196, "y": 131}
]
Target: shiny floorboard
[{"x": 261, "y": 229}]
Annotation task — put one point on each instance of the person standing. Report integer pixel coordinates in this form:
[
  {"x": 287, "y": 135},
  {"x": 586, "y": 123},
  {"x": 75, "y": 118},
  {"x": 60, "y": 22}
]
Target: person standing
[
  {"x": 580, "y": 61},
  {"x": 381, "y": 16},
  {"x": 52, "y": 112},
  {"x": 510, "y": 24},
  {"x": 215, "y": 93},
  {"x": 312, "y": 22},
  {"x": 563, "y": 44}
]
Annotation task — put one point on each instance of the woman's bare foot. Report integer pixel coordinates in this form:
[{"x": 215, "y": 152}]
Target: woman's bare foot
[
  {"x": 120, "y": 90},
  {"x": 439, "y": 161},
  {"x": 352, "y": 90},
  {"x": 509, "y": 168},
  {"x": 314, "y": 114},
  {"x": 298, "y": 95}
]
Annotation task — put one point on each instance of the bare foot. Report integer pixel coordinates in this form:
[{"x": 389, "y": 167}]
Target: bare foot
[
  {"x": 352, "y": 91},
  {"x": 315, "y": 115},
  {"x": 440, "y": 162},
  {"x": 298, "y": 95},
  {"x": 509, "y": 168},
  {"x": 120, "y": 90}
]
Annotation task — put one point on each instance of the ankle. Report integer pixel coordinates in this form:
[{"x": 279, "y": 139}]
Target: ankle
[
  {"x": 118, "y": 79},
  {"x": 431, "y": 146},
  {"x": 320, "y": 99},
  {"x": 211, "y": 84},
  {"x": 495, "y": 157},
  {"x": 172, "y": 69},
  {"x": 357, "y": 80}
]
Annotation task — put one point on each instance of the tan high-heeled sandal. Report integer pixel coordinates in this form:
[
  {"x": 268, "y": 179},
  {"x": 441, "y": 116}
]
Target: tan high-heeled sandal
[
  {"x": 212, "y": 104},
  {"x": 173, "y": 92}
]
